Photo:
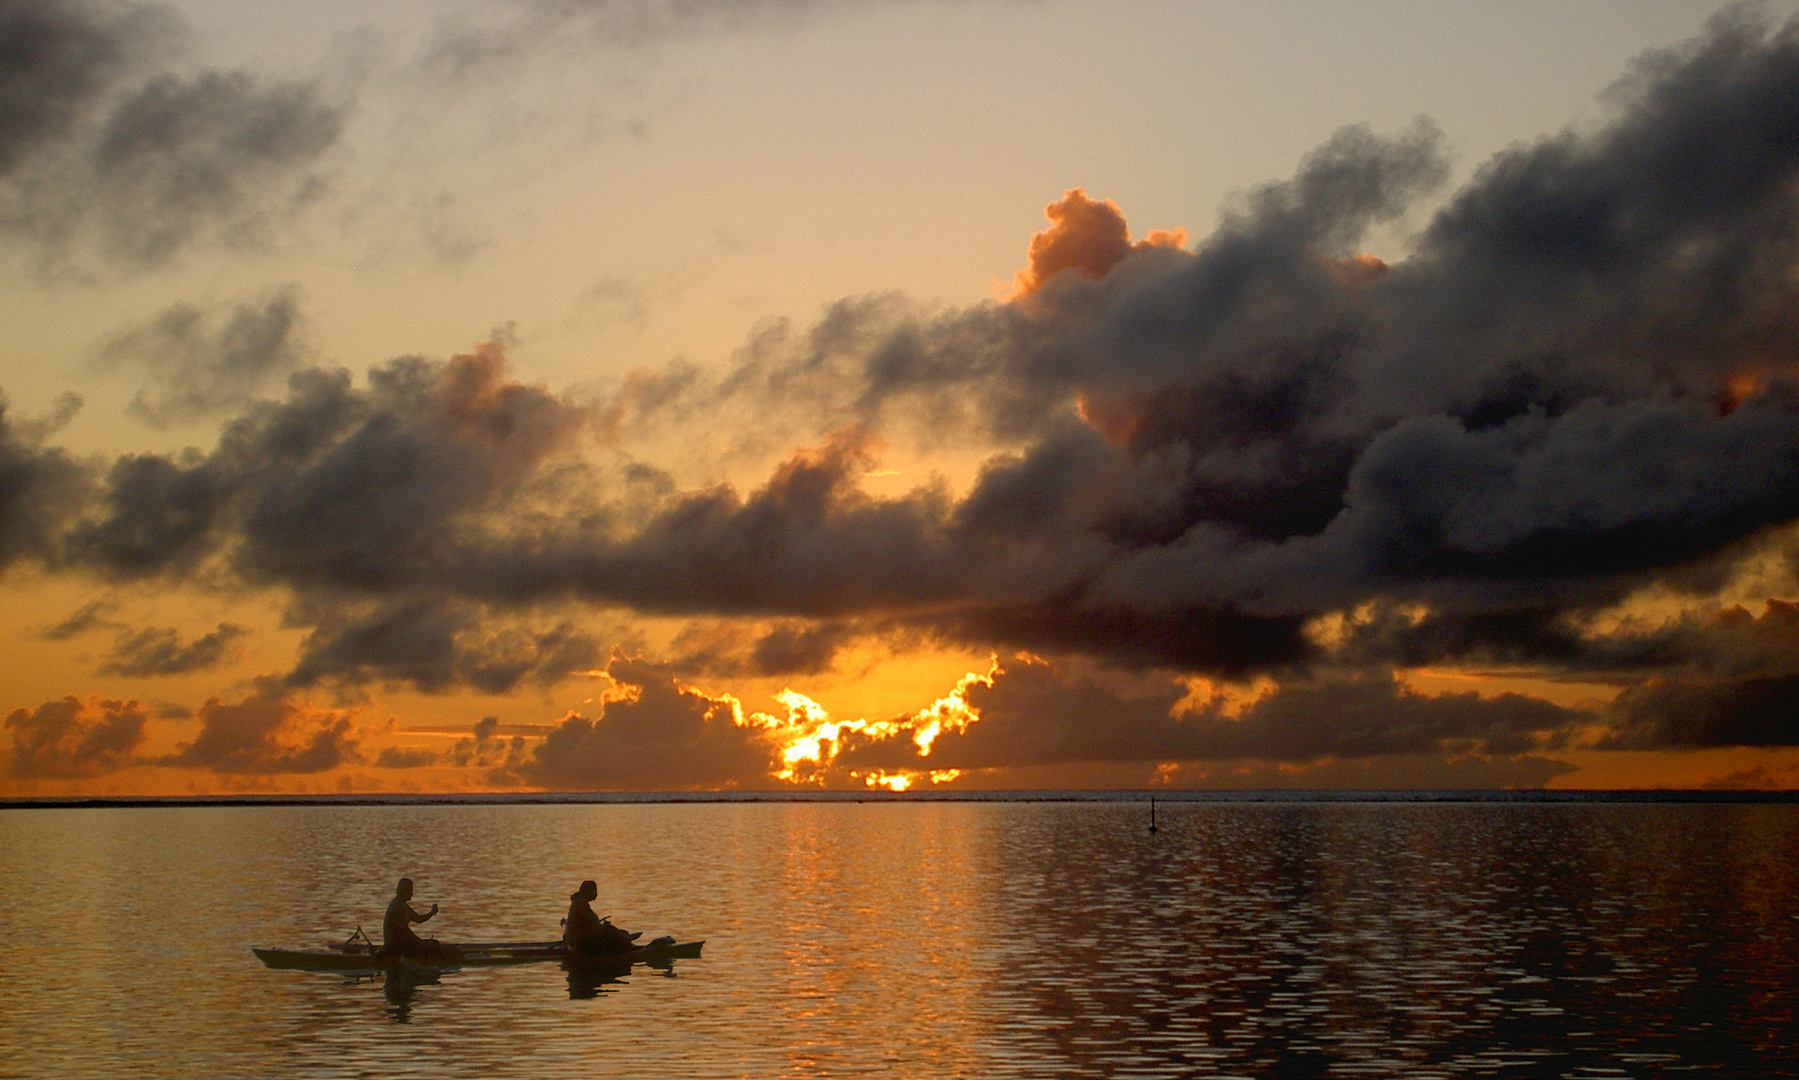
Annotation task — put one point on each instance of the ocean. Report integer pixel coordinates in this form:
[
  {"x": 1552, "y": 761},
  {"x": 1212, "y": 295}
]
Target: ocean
[{"x": 1289, "y": 936}]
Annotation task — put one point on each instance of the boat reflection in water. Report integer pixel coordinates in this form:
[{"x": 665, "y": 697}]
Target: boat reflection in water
[
  {"x": 591, "y": 976},
  {"x": 588, "y": 975},
  {"x": 587, "y": 978},
  {"x": 400, "y": 985}
]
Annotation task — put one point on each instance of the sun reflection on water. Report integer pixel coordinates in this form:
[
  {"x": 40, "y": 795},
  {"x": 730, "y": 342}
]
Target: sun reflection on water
[{"x": 905, "y": 938}]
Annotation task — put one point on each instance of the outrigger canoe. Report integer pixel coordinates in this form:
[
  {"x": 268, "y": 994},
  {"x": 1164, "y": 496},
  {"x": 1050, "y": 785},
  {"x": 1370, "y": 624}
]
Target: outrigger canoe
[{"x": 358, "y": 957}]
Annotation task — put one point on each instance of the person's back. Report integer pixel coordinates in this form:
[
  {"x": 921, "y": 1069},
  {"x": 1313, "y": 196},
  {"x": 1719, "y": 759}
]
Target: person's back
[{"x": 585, "y": 932}]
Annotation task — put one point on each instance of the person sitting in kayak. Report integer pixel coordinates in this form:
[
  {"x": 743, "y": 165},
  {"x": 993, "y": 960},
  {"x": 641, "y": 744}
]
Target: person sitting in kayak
[
  {"x": 397, "y": 938},
  {"x": 588, "y": 934}
]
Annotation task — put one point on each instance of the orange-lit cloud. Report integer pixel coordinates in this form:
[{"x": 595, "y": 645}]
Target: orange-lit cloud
[
  {"x": 75, "y": 737},
  {"x": 653, "y": 732},
  {"x": 267, "y": 732},
  {"x": 1086, "y": 236}
]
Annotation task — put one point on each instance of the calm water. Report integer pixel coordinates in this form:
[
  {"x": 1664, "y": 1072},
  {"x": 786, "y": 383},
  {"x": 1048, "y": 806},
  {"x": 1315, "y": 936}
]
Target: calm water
[{"x": 920, "y": 940}]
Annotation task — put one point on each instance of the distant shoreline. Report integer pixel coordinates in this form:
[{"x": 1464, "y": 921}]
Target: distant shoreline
[{"x": 553, "y": 798}]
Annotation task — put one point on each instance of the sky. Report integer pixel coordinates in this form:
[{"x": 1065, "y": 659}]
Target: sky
[{"x": 602, "y": 395}]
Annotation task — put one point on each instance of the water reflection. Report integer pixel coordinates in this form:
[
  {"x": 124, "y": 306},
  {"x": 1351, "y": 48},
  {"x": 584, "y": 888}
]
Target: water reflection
[
  {"x": 587, "y": 978},
  {"x": 400, "y": 985},
  {"x": 936, "y": 940},
  {"x": 1306, "y": 940},
  {"x": 590, "y": 977}
]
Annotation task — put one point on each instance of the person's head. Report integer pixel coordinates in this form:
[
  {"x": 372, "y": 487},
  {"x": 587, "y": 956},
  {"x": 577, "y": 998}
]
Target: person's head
[
  {"x": 588, "y": 891},
  {"x": 404, "y": 889}
]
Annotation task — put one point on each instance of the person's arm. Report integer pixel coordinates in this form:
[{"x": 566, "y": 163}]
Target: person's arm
[{"x": 416, "y": 917}]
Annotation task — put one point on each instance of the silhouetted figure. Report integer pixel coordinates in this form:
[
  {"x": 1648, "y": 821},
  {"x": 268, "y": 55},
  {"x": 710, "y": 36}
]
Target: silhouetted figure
[
  {"x": 397, "y": 938},
  {"x": 587, "y": 934}
]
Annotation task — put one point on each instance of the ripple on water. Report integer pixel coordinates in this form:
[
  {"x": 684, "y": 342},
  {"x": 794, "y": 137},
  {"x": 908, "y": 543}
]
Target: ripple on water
[{"x": 985, "y": 940}]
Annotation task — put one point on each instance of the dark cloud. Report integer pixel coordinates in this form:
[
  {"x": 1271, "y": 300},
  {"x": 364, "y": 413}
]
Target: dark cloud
[
  {"x": 41, "y": 488},
  {"x": 89, "y": 616},
  {"x": 56, "y": 59},
  {"x": 157, "y": 515},
  {"x": 1707, "y": 641},
  {"x": 108, "y": 149},
  {"x": 1035, "y": 713},
  {"x": 1379, "y": 717},
  {"x": 485, "y": 749},
  {"x": 788, "y": 647},
  {"x": 160, "y": 651},
  {"x": 200, "y": 362},
  {"x": 338, "y": 487},
  {"x": 655, "y": 734},
  {"x": 394, "y": 757},
  {"x": 1688, "y": 714},
  {"x": 75, "y": 737},
  {"x": 1546, "y": 407},
  {"x": 1582, "y": 381},
  {"x": 268, "y": 733},
  {"x": 438, "y": 646},
  {"x": 1706, "y": 677}
]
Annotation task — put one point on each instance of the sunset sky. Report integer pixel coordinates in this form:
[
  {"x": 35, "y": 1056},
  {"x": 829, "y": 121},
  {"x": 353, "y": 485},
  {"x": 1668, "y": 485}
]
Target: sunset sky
[{"x": 695, "y": 394}]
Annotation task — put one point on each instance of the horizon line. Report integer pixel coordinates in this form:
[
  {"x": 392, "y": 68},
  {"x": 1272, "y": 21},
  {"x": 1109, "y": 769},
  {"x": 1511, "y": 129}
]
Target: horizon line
[{"x": 1095, "y": 795}]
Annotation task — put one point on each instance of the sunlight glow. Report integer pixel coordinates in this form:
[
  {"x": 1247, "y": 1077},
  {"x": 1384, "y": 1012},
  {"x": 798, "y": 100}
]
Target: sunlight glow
[
  {"x": 950, "y": 712},
  {"x": 810, "y": 740}
]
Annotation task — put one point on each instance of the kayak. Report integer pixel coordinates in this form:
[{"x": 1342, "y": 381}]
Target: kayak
[{"x": 362, "y": 958}]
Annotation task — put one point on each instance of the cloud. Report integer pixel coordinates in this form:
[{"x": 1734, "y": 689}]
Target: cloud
[
  {"x": 485, "y": 749},
  {"x": 201, "y": 362},
  {"x": 1710, "y": 676},
  {"x": 1085, "y": 236},
  {"x": 1581, "y": 383},
  {"x": 120, "y": 152},
  {"x": 41, "y": 488},
  {"x": 59, "y": 57},
  {"x": 654, "y": 734},
  {"x": 75, "y": 738},
  {"x": 394, "y": 757},
  {"x": 89, "y": 616},
  {"x": 268, "y": 733},
  {"x": 787, "y": 647},
  {"x": 438, "y": 646},
  {"x": 1706, "y": 641},
  {"x": 1689, "y": 714},
  {"x": 1036, "y": 714},
  {"x": 336, "y": 486},
  {"x": 1542, "y": 410},
  {"x": 160, "y": 651},
  {"x": 461, "y": 49},
  {"x": 109, "y": 150}
]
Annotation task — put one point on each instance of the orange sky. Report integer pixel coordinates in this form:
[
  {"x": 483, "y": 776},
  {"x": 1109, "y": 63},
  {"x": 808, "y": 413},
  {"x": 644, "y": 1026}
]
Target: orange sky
[{"x": 367, "y": 429}]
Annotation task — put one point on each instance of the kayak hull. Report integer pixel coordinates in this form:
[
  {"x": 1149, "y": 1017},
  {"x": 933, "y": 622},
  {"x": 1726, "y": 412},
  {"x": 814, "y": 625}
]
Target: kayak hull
[{"x": 365, "y": 959}]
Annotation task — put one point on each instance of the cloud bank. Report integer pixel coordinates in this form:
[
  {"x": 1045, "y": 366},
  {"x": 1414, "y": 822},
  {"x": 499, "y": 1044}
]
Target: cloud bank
[{"x": 1266, "y": 455}]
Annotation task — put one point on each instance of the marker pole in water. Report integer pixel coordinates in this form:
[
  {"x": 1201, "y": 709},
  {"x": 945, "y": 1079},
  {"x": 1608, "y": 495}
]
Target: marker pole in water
[{"x": 1152, "y": 815}]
